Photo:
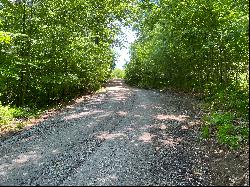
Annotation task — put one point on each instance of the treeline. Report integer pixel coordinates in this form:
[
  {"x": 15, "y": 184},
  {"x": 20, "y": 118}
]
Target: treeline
[
  {"x": 200, "y": 46},
  {"x": 53, "y": 49},
  {"x": 191, "y": 45}
]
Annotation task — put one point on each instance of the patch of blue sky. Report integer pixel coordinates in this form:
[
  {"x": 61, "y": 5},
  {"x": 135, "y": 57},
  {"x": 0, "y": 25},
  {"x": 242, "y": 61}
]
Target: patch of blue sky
[{"x": 128, "y": 36}]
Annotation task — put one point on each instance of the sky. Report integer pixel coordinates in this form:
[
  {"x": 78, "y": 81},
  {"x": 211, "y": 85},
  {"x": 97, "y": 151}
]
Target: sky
[{"x": 123, "y": 53}]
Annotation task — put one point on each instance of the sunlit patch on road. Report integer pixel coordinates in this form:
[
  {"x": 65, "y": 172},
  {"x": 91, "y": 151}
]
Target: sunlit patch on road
[
  {"x": 172, "y": 117},
  {"x": 171, "y": 141},
  {"x": 122, "y": 113},
  {"x": 110, "y": 136},
  {"x": 82, "y": 114},
  {"x": 146, "y": 137}
]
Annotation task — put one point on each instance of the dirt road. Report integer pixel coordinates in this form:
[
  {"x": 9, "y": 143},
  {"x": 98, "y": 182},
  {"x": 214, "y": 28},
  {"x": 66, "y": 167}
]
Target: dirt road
[{"x": 125, "y": 136}]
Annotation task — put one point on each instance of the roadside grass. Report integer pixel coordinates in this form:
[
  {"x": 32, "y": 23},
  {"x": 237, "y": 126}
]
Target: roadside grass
[{"x": 14, "y": 118}]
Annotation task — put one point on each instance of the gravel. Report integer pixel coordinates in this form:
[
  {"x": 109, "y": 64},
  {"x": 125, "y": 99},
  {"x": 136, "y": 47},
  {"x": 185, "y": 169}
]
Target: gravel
[{"x": 125, "y": 136}]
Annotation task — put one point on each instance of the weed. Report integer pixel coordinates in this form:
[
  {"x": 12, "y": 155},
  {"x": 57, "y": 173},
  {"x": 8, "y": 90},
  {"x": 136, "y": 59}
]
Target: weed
[
  {"x": 20, "y": 125},
  {"x": 222, "y": 125},
  {"x": 205, "y": 131}
]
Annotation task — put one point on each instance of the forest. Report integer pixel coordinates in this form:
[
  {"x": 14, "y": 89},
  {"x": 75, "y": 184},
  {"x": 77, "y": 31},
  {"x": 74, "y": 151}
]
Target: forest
[{"x": 53, "y": 50}]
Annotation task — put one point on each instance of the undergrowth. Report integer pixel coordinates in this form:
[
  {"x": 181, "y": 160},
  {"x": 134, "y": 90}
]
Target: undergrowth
[
  {"x": 13, "y": 118},
  {"x": 227, "y": 118}
]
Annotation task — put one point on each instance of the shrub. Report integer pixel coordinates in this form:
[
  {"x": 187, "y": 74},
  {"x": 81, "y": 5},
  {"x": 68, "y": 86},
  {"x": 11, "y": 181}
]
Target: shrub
[{"x": 225, "y": 128}]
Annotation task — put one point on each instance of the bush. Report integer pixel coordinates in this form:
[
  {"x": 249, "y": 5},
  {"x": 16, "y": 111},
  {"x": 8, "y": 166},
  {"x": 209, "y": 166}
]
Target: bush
[{"x": 225, "y": 128}]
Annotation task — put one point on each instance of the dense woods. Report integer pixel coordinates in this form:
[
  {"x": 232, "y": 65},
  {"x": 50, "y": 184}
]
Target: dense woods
[
  {"x": 196, "y": 46},
  {"x": 192, "y": 45},
  {"x": 54, "y": 49}
]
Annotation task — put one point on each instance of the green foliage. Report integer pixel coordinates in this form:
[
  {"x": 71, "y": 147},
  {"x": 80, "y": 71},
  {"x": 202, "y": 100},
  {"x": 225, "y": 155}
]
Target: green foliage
[
  {"x": 5, "y": 37},
  {"x": 190, "y": 45},
  {"x": 53, "y": 50},
  {"x": 227, "y": 135},
  {"x": 118, "y": 73},
  {"x": 221, "y": 118},
  {"x": 205, "y": 131},
  {"x": 6, "y": 115},
  {"x": 233, "y": 99},
  {"x": 227, "y": 131}
]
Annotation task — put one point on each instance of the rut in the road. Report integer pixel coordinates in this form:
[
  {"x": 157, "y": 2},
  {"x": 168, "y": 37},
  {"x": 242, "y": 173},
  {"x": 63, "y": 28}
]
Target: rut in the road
[{"x": 125, "y": 136}]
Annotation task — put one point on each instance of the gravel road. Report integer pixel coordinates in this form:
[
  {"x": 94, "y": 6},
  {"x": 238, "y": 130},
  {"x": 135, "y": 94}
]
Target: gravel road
[{"x": 125, "y": 136}]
